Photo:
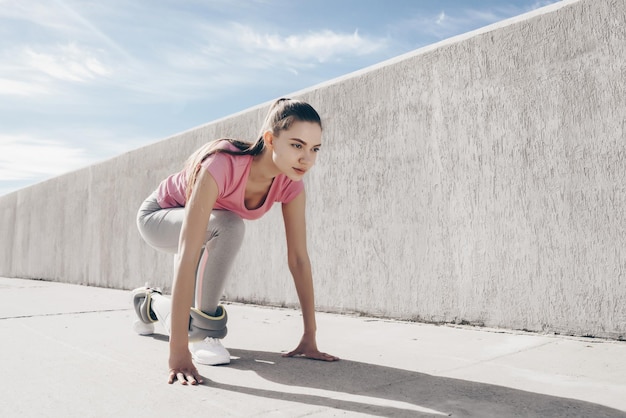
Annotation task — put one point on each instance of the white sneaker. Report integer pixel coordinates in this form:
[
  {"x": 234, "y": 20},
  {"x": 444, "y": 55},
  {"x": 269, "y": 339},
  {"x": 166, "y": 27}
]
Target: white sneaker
[
  {"x": 142, "y": 328},
  {"x": 146, "y": 317},
  {"x": 209, "y": 351}
]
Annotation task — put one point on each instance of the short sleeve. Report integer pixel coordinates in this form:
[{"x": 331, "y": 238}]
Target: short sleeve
[
  {"x": 292, "y": 191},
  {"x": 220, "y": 166}
]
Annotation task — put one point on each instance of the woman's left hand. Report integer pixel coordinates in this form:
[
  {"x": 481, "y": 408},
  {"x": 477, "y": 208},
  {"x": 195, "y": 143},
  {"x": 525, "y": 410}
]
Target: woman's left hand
[{"x": 308, "y": 349}]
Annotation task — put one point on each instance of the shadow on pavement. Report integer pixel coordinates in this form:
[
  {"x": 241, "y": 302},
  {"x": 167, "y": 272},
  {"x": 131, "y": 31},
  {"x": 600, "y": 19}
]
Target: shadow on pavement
[{"x": 385, "y": 391}]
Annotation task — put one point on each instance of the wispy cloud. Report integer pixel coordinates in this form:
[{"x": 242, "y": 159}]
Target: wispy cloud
[
  {"x": 10, "y": 87},
  {"x": 24, "y": 157},
  {"x": 321, "y": 46},
  {"x": 236, "y": 55},
  {"x": 245, "y": 46},
  {"x": 43, "y": 70},
  {"x": 28, "y": 158},
  {"x": 441, "y": 18},
  {"x": 64, "y": 62},
  {"x": 43, "y": 14},
  {"x": 82, "y": 22},
  {"x": 60, "y": 19},
  {"x": 62, "y": 48}
]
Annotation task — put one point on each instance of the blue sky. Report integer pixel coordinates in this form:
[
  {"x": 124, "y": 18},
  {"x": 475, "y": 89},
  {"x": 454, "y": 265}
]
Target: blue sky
[{"x": 82, "y": 81}]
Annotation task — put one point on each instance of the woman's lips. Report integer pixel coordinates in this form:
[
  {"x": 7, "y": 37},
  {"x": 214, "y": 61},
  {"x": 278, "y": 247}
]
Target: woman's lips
[{"x": 299, "y": 171}]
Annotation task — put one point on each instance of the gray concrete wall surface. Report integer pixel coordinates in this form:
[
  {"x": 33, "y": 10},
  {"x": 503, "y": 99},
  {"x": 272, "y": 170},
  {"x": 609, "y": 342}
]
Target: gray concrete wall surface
[{"x": 478, "y": 180}]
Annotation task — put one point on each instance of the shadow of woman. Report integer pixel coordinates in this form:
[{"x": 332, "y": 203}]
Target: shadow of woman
[{"x": 385, "y": 391}]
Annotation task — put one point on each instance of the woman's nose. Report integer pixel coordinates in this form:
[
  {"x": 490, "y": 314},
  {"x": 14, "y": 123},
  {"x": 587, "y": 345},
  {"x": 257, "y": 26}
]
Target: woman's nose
[{"x": 307, "y": 157}]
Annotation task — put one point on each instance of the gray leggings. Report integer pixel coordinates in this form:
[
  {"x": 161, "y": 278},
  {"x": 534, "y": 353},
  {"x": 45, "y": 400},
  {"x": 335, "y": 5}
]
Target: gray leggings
[{"x": 160, "y": 228}]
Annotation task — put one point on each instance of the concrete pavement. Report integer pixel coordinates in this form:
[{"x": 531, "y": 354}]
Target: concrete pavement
[{"x": 69, "y": 351}]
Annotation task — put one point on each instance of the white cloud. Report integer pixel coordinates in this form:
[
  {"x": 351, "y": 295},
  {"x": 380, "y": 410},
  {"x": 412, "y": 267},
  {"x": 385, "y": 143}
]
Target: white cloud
[
  {"x": 239, "y": 48},
  {"x": 441, "y": 18},
  {"x": 319, "y": 46},
  {"x": 234, "y": 55},
  {"x": 20, "y": 88},
  {"x": 29, "y": 158},
  {"x": 65, "y": 62},
  {"x": 47, "y": 69},
  {"x": 35, "y": 64},
  {"x": 48, "y": 44},
  {"x": 23, "y": 157},
  {"x": 81, "y": 23},
  {"x": 61, "y": 21},
  {"x": 40, "y": 13}
]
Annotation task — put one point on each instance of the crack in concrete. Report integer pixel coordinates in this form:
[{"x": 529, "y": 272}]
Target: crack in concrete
[
  {"x": 490, "y": 359},
  {"x": 62, "y": 313}
]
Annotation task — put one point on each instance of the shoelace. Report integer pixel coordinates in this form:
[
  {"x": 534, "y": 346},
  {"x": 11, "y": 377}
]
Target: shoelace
[{"x": 211, "y": 341}]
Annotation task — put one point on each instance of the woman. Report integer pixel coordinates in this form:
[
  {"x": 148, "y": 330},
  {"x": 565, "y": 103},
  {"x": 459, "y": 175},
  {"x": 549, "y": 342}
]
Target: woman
[{"x": 197, "y": 215}]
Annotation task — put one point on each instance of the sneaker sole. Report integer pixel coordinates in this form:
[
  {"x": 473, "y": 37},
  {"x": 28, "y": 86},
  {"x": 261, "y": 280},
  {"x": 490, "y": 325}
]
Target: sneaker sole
[{"x": 211, "y": 363}]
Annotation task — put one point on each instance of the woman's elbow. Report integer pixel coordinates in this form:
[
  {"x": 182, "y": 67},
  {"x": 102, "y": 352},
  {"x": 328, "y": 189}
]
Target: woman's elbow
[{"x": 298, "y": 262}]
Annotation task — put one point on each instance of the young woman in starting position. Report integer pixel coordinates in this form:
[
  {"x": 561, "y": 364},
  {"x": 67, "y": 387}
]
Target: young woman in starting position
[{"x": 197, "y": 214}]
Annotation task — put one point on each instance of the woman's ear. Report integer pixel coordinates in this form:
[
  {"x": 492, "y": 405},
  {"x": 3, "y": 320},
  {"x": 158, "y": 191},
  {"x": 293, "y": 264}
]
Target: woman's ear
[{"x": 268, "y": 138}]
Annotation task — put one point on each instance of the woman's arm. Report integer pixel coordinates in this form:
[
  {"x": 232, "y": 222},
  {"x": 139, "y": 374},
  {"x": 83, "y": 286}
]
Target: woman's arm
[
  {"x": 300, "y": 267},
  {"x": 197, "y": 213}
]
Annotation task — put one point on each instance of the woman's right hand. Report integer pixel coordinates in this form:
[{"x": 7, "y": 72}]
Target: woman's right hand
[{"x": 182, "y": 368}]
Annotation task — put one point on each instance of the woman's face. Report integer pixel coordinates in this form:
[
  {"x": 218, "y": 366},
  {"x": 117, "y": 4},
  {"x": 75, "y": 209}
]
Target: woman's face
[{"x": 295, "y": 149}]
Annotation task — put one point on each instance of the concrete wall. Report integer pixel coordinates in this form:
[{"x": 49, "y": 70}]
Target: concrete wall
[{"x": 479, "y": 180}]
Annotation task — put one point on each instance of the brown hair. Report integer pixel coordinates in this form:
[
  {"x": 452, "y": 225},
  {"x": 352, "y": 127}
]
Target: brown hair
[{"x": 281, "y": 115}]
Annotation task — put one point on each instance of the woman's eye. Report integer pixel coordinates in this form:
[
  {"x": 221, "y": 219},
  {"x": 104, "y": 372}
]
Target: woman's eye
[
  {"x": 297, "y": 146},
  {"x": 316, "y": 149}
]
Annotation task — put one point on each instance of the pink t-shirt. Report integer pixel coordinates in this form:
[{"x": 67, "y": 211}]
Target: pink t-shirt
[{"x": 231, "y": 175}]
